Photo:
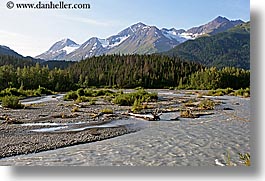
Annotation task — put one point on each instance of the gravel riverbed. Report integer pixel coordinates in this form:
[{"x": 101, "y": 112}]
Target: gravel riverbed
[{"x": 203, "y": 141}]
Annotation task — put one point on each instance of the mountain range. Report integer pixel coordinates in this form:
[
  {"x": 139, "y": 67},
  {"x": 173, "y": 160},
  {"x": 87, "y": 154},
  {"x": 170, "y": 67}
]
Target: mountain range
[
  {"x": 219, "y": 43},
  {"x": 136, "y": 39},
  {"x": 229, "y": 48}
]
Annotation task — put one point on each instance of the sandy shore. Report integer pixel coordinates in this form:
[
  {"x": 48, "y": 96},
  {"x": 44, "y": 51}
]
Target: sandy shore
[{"x": 187, "y": 142}]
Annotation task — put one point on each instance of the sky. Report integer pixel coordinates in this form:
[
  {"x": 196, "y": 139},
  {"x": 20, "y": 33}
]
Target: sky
[{"x": 32, "y": 32}]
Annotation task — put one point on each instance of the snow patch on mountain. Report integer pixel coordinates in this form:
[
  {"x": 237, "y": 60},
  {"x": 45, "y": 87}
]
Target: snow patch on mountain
[
  {"x": 118, "y": 41},
  {"x": 190, "y": 36},
  {"x": 173, "y": 35},
  {"x": 104, "y": 43},
  {"x": 70, "y": 49}
]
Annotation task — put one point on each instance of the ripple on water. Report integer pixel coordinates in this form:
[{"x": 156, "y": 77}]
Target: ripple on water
[{"x": 202, "y": 142}]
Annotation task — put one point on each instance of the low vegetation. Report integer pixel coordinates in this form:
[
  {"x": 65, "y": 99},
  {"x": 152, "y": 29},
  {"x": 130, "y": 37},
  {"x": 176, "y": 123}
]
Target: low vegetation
[
  {"x": 187, "y": 113},
  {"x": 245, "y": 158},
  {"x": 10, "y": 96},
  {"x": 229, "y": 91},
  {"x": 21, "y": 93},
  {"x": 87, "y": 95},
  {"x": 134, "y": 98},
  {"x": 242, "y": 92},
  {"x": 106, "y": 111},
  {"x": 11, "y": 102},
  {"x": 206, "y": 104},
  {"x": 138, "y": 99}
]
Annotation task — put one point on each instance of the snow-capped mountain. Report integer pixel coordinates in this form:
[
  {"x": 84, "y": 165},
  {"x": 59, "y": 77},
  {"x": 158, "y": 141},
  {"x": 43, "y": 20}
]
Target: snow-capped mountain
[
  {"x": 59, "y": 50},
  {"x": 136, "y": 39},
  {"x": 143, "y": 39},
  {"x": 90, "y": 48}
]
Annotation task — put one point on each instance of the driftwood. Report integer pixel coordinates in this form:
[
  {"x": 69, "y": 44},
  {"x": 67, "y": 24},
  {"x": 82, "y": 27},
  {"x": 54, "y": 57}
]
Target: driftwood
[{"x": 155, "y": 116}]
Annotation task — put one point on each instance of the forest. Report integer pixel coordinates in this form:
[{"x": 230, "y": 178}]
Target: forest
[
  {"x": 120, "y": 71},
  {"x": 230, "y": 48}
]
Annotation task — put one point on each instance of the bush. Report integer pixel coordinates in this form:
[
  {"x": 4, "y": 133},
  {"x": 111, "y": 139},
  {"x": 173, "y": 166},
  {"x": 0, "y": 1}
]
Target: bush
[
  {"x": 130, "y": 98},
  {"x": 137, "y": 106},
  {"x": 11, "y": 92},
  {"x": 187, "y": 114},
  {"x": 83, "y": 99},
  {"x": 72, "y": 95},
  {"x": 242, "y": 92},
  {"x": 92, "y": 101},
  {"x": 80, "y": 92},
  {"x": 123, "y": 100},
  {"x": 206, "y": 104},
  {"x": 85, "y": 95},
  {"x": 11, "y": 102},
  {"x": 42, "y": 90}
]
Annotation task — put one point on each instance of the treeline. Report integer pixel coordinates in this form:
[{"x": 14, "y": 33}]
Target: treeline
[
  {"x": 29, "y": 61},
  {"x": 213, "y": 78},
  {"x": 127, "y": 71},
  {"x": 32, "y": 77},
  {"x": 15, "y": 61}
]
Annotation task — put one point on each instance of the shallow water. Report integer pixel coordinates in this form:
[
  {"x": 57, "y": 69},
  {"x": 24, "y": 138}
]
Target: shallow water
[
  {"x": 188, "y": 142},
  {"x": 74, "y": 127},
  {"x": 42, "y": 99}
]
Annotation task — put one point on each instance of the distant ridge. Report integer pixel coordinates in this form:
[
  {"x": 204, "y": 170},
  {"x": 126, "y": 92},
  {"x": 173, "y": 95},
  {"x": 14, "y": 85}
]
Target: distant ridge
[
  {"x": 136, "y": 39},
  {"x": 229, "y": 48}
]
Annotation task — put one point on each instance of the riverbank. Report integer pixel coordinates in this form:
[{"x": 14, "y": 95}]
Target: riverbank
[{"x": 185, "y": 141}]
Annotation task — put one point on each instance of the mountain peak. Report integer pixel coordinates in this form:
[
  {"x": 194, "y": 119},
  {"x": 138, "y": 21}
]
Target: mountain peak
[
  {"x": 139, "y": 24},
  {"x": 221, "y": 19},
  {"x": 66, "y": 42},
  {"x": 59, "y": 49}
]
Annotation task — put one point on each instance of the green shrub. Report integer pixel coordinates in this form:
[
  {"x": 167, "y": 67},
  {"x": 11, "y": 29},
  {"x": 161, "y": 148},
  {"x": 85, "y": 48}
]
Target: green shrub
[
  {"x": 88, "y": 92},
  {"x": 102, "y": 92},
  {"x": 83, "y": 99},
  {"x": 242, "y": 92},
  {"x": 85, "y": 95},
  {"x": 72, "y": 95},
  {"x": 80, "y": 92},
  {"x": 11, "y": 92},
  {"x": 11, "y": 102},
  {"x": 130, "y": 98},
  {"x": 187, "y": 114},
  {"x": 42, "y": 90},
  {"x": 123, "y": 100},
  {"x": 206, "y": 104},
  {"x": 92, "y": 102},
  {"x": 137, "y": 106},
  {"x": 220, "y": 92}
]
